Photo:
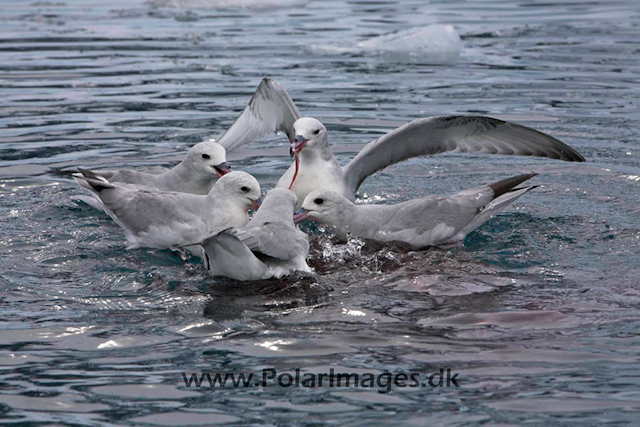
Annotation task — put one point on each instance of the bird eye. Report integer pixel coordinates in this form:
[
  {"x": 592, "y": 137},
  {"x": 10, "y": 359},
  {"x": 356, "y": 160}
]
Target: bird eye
[
  {"x": 206, "y": 156},
  {"x": 318, "y": 201},
  {"x": 244, "y": 189},
  {"x": 317, "y": 131}
]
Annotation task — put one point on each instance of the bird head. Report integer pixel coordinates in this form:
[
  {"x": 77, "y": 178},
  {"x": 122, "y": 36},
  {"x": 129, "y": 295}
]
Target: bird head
[
  {"x": 309, "y": 133},
  {"x": 324, "y": 206},
  {"x": 208, "y": 158},
  {"x": 241, "y": 187}
]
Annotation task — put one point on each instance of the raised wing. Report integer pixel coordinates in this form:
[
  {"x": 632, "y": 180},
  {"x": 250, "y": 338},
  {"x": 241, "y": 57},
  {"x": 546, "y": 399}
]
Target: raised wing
[
  {"x": 424, "y": 137},
  {"x": 269, "y": 110}
]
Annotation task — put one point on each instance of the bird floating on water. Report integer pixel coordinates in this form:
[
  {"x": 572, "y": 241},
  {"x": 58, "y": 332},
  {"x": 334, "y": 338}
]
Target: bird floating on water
[
  {"x": 165, "y": 220},
  {"x": 269, "y": 246},
  {"x": 427, "y": 221}
]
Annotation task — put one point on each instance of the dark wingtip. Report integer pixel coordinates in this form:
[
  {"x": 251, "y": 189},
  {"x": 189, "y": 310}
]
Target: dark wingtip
[
  {"x": 559, "y": 150},
  {"x": 567, "y": 153},
  {"x": 94, "y": 180},
  {"x": 575, "y": 156},
  {"x": 506, "y": 185},
  {"x": 88, "y": 173},
  {"x": 84, "y": 171},
  {"x": 268, "y": 82}
]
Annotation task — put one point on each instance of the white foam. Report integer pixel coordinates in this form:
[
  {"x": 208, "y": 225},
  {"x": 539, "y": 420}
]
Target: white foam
[
  {"x": 228, "y": 4},
  {"x": 433, "y": 43}
]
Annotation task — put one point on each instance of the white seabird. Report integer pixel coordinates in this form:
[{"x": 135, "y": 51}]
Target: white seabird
[
  {"x": 271, "y": 109},
  {"x": 165, "y": 220},
  {"x": 427, "y": 221},
  {"x": 195, "y": 174},
  {"x": 269, "y": 246}
]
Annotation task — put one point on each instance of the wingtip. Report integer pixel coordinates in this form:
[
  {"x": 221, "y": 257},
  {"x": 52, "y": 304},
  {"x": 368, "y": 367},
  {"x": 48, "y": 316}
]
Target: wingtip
[
  {"x": 578, "y": 157},
  {"x": 89, "y": 173},
  {"x": 501, "y": 187},
  {"x": 93, "y": 180},
  {"x": 83, "y": 171},
  {"x": 272, "y": 83},
  {"x": 569, "y": 154}
]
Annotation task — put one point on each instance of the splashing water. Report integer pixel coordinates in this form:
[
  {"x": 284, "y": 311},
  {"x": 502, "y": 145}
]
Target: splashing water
[{"x": 538, "y": 311}]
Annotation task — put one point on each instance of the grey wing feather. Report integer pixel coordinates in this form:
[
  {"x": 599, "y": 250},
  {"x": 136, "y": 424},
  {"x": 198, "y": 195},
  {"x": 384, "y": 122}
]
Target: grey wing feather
[
  {"x": 423, "y": 137},
  {"x": 423, "y": 213},
  {"x": 275, "y": 240},
  {"x": 225, "y": 255},
  {"x": 270, "y": 110},
  {"x": 494, "y": 207},
  {"x": 134, "y": 177},
  {"x": 137, "y": 210},
  {"x": 428, "y": 212}
]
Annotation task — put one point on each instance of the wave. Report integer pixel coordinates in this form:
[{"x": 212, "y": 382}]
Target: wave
[{"x": 228, "y": 4}]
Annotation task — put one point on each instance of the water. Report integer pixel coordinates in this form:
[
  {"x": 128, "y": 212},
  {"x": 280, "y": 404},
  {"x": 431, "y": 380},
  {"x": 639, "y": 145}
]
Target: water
[{"x": 538, "y": 312}]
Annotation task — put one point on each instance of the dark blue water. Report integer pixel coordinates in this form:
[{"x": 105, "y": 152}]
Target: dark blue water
[{"x": 538, "y": 312}]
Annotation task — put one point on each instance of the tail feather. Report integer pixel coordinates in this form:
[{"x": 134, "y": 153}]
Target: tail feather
[
  {"x": 91, "y": 180},
  {"x": 504, "y": 186},
  {"x": 495, "y": 206}
]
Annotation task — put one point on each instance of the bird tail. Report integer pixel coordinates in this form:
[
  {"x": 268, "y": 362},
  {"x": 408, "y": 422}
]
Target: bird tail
[
  {"x": 224, "y": 254},
  {"x": 91, "y": 181},
  {"x": 504, "y": 199},
  {"x": 501, "y": 187}
]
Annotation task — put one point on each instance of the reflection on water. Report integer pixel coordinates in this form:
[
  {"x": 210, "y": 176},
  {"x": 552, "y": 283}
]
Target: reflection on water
[{"x": 538, "y": 311}]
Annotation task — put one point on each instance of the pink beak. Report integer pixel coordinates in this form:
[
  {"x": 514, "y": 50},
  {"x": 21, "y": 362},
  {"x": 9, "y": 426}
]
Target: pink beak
[
  {"x": 298, "y": 144},
  {"x": 300, "y": 215},
  {"x": 222, "y": 169}
]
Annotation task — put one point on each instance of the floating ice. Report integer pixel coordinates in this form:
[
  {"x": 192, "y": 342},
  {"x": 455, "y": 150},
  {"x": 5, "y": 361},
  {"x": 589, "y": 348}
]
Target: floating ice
[
  {"x": 433, "y": 43},
  {"x": 228, "y": 4}
]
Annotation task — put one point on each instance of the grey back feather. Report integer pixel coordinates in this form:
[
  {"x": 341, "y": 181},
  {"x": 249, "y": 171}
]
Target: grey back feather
[{"x": 272, "y": 231}]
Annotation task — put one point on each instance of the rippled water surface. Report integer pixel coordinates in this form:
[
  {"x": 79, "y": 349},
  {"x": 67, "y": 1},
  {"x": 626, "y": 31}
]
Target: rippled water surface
[{"x": 538, "y": 311}]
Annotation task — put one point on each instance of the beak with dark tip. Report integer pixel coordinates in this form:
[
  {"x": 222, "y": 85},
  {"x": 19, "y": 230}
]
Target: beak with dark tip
[
  {"x": 298, "y": 144},
  {"x": 300, "y": 214},
  {"x": 222, "y": 169}
]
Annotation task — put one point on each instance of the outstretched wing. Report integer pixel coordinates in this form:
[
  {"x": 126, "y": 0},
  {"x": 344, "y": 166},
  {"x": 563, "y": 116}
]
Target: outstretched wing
[
  {"x": 270, "y": 110},
  {"x": 423, "y": 137}
]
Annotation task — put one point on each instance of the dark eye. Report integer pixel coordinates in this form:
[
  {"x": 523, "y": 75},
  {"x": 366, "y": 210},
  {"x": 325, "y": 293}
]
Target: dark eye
[
  {"x": 206, "y": 156},
  {"x": 318, "y": 201},
  {"x": 244, "y": 189},
  {"x": 315, "y": 132}
]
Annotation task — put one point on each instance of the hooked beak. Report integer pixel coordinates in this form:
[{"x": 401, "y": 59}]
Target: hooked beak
[
  {"x": 300, "y": 215},
  {"x": 297, "y": 145},
  {"x": 222, "y": 169}
]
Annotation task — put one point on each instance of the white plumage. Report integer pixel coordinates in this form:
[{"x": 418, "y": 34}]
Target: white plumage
[{"x": 269, "y": 246}]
